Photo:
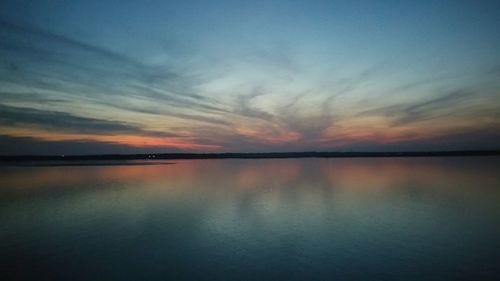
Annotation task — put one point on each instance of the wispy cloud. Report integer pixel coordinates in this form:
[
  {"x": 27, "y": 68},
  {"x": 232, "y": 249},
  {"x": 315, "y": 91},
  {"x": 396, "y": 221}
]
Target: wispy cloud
[
  {"x": 28, "y": 145},
  {"x": 268, "y": 92},
  {"x": 245, "y": 108},
  {"x": 65, "y": 122},
  {"x": 68, "y": 70},
  {"x": 407, "y": 113},
  {"x": 61, "y": 57},
  {"x": 23, "y": 33}
]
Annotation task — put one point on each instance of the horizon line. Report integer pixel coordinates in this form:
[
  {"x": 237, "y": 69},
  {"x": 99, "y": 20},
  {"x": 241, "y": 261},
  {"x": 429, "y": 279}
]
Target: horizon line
[{"x": 250, "y": 155}]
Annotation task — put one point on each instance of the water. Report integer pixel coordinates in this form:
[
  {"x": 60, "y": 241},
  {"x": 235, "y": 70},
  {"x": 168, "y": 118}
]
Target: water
[{"x": 293, "y": 219}]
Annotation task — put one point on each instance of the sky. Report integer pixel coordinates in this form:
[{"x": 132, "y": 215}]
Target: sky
[{"x": 95, "y": 76}]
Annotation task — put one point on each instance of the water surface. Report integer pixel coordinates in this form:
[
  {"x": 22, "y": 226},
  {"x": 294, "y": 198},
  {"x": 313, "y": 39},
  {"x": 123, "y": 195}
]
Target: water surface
[{"x": 260, "y": 219}]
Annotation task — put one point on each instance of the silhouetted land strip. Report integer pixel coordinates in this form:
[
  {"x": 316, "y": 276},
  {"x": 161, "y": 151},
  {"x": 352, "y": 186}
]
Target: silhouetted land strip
[
  {"x": 93, "y": 162},
  {"x": 311, "y": 154}
]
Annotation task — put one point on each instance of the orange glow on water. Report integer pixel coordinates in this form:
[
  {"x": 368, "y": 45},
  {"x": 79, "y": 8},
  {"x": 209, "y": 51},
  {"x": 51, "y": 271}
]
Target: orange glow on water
[{"x": 374, "y": 174}]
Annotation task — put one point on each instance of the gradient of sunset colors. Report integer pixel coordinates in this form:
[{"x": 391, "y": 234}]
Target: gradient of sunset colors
[{"x": 79, "y": 77}]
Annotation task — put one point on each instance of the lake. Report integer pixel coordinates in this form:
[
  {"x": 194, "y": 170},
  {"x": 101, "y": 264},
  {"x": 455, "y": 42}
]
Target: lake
[{"x": 256, "y": 219}]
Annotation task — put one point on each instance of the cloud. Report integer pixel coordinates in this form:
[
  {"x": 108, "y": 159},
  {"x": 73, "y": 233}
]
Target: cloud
[
  {"x": 57, "y": 38},
  {"x": 35, "y": 55},
  {"x": 65, "y": 122},
  {"x": 24, "y": 97},
  {"x": 408, "y": 113},
  {"x": 40, "y": 66},
  {"x": 244, "y": 106},
  {"x": 70, "y": 71},
  {"x": 167, "y": 112},
  {"x": 479, "y": 138},
  {"x": 32, "y": 146}
]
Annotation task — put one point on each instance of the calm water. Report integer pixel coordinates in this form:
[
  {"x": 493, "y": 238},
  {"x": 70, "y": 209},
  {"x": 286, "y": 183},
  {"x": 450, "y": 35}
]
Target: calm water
[{"x": 294, "y": 219}]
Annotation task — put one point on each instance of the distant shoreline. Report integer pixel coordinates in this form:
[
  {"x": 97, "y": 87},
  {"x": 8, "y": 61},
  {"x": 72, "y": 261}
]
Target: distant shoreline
[
  {"x": 78, "y": 163},
  {"x": 267, "y": 155}
]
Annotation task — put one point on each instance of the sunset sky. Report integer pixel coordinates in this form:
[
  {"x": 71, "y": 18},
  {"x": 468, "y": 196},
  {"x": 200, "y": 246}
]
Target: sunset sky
[{"x": 94, "y": 76}]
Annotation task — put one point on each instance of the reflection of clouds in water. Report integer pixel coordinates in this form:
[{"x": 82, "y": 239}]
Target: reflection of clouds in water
[{"x": 260, "y": 213}]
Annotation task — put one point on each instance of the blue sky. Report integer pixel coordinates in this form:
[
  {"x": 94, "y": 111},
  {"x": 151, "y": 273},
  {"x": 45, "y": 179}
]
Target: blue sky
[{"x": 146, "y": 76}]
